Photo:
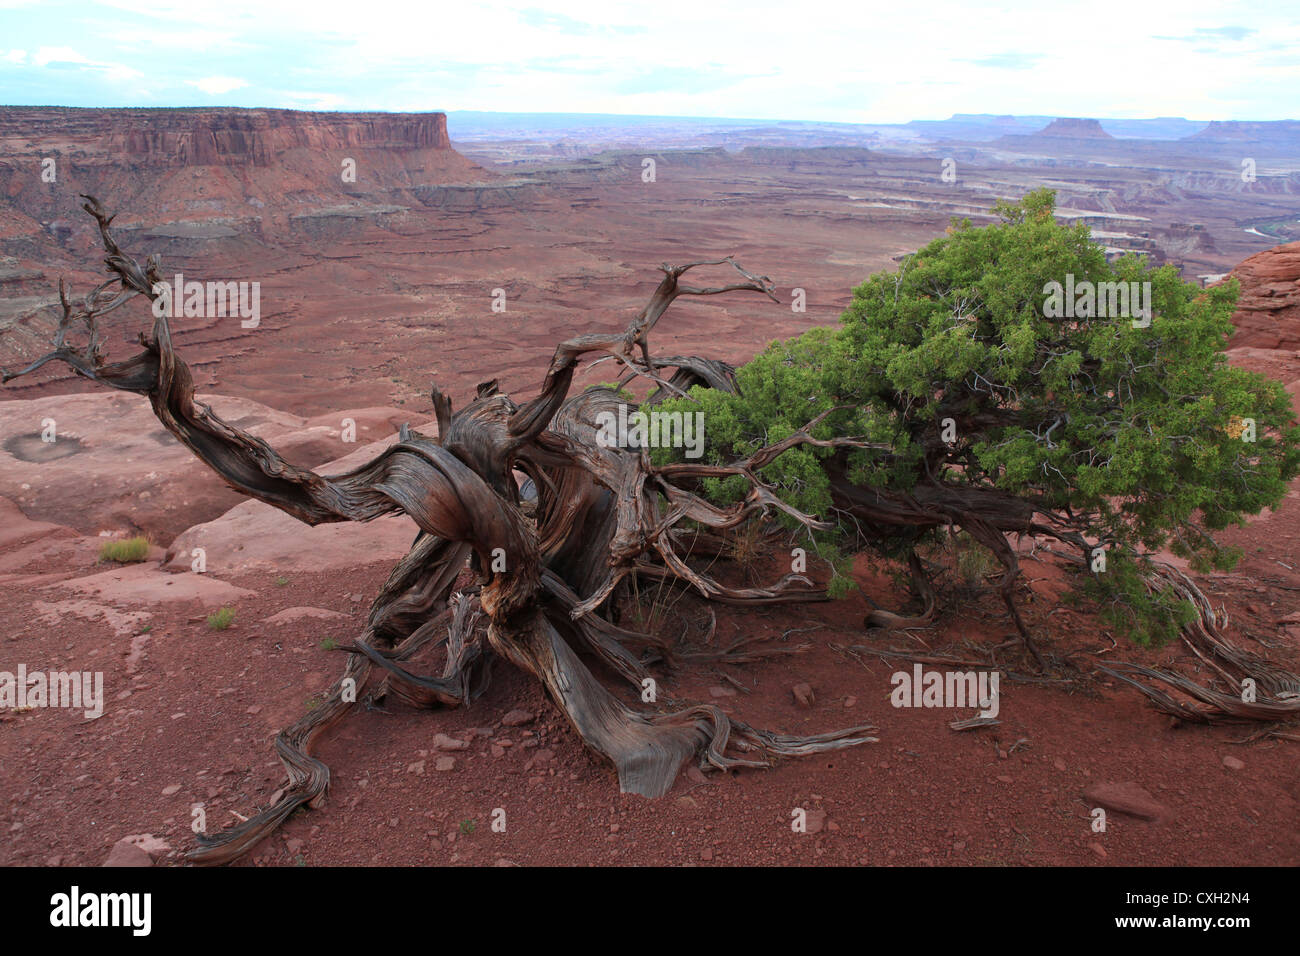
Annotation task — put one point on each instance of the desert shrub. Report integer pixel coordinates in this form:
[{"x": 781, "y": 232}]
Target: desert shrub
[
  {"x": 1130, "y": 434},
  {"x": 221, "y": 619}
]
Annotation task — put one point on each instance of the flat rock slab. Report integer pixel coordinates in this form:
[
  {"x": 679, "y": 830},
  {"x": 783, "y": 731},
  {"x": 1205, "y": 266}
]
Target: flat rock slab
[
  {"x": 291, "y": 615},
  {"x": 17, "y": 528},
  {"x": 124, "y": 623},
  {"x": 255, "y": 536},
  {"x": 142, "y": 585},
  {"x": 112, "y": 466}
]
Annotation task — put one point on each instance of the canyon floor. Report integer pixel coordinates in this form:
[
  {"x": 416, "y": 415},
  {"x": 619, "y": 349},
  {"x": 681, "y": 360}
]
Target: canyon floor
[{"x": 359, "y": 314}]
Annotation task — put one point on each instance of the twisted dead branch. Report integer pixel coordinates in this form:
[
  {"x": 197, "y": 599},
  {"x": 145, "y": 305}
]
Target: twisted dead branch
[
  {"x": 598, "y": 518},
  {"x": 1260, "y": 690}
]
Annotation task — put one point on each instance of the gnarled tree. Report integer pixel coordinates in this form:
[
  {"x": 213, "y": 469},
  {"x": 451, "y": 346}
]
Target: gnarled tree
[{"x": 602, "y": 513}]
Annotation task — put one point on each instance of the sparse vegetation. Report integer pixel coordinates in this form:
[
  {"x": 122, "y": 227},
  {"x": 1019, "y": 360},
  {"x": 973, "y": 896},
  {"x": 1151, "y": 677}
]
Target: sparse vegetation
[
  {"x": 125, "y": 550},
  {"x": 221, "y": 619},
  {"x": 973, "y": 562}
]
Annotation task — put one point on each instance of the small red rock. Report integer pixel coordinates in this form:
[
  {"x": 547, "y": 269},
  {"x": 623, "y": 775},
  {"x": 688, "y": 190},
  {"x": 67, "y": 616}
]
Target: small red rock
[
  {"x": 803, "y": 695},
  {"x": 517, "y": 718},
  {"x": 1126, "y": 797},
  {"x": 125, "y": 853}
]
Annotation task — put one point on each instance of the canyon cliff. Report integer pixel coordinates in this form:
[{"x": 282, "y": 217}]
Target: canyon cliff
[
  {"x": 211, "y": 137},
  {"x": 1268, "y": 309},
  {"x": 220, "y": 166}
]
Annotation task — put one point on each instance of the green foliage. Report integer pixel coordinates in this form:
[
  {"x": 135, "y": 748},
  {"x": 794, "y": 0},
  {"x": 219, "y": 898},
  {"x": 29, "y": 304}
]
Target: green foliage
[
  {"x": 126, "y": 550},
  {"x": 1136, "y": 425},
  {"x": 222, "y": 619},
  {"x": 1125, "y": 602}
]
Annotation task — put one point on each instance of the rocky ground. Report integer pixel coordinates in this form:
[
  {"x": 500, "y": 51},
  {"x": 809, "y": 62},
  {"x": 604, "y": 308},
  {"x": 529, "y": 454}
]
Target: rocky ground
[{"x": 190, "y": 713}]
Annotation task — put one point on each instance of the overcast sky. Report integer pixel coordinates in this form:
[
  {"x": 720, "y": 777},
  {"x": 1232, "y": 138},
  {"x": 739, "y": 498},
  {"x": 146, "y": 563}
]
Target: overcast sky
[{"x": 850, "y": 61}]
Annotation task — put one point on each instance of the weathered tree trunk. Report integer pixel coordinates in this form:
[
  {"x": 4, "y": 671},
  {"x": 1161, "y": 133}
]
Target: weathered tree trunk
[{"x": 597, "y": 521}]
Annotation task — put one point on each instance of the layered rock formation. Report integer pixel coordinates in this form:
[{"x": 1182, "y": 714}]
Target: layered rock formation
[
  {"x": 1268, "y": 309},
  {"x": 256, "y": 137},
  {"x": 110, "y": 467},
  {"x": 234, "y": 167},
  {"x": 209, "y": 137},
  {"x": 1282, "y": 132},
  {"x": 1074, "y": 129}
]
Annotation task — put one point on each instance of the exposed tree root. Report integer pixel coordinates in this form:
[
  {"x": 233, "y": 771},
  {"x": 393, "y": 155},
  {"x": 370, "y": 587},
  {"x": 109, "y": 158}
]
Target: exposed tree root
[{"x": 1275, "y": 691}]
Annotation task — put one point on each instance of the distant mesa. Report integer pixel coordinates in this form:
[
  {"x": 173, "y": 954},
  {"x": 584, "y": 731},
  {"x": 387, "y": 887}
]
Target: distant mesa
[
  {"x": 1065, "y": 133},
  {"x": 1280, "y": 132},
  {"x": 190, "y": 176},
  {"x": 1073, "y": 129},
  {"x": 225, "y": 136}
]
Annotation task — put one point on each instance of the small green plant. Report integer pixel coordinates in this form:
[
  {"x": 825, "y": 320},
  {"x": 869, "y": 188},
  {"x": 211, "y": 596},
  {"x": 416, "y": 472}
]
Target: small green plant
[
  {"x": 281, "y": 581},
  {"x": 328, "y": 644},
  {"x": 467, "y": 827},
  {"x": 125, "y": 550},
  {"x": 222, "y": 619},
  {"x": 974, "y": 561},
  {"x": 746, "y": 547}
]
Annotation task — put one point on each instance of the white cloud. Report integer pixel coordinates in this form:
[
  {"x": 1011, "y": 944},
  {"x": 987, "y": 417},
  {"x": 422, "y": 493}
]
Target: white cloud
[
  {"x": 874, "y": 62},
  {"x": 216, "y": 85},
  {"x": 15, "y": 56},
  {"x": 59, "y": 54},
  {"x": 314, "y": 101}
]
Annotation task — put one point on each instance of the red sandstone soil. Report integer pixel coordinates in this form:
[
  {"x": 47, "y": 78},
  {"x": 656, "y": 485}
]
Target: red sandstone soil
[{"x": 194, "y": 724}]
